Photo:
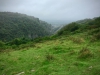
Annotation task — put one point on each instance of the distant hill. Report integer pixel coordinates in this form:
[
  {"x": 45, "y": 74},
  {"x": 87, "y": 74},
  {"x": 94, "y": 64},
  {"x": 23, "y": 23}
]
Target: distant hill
[
  {"x": 16, "y": 25},
  {"x": 84, "y": 21},
  {"x": 80, "y": 26}
]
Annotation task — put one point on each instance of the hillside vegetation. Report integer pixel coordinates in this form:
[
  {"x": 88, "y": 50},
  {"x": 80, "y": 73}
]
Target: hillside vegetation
[
  {"x": 16, "y": 25},
  {"x": 81, "y": 26},
  {"x": 74, "y": 50}
]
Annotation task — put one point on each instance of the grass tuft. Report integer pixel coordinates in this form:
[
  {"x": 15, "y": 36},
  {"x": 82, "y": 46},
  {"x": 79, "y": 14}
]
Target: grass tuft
[
  {"x": 77, "y": 40},
  {"x": 85, "y": 53},
  {"x": 49, "y": 57},
  {"x": 95, "y": 37}
]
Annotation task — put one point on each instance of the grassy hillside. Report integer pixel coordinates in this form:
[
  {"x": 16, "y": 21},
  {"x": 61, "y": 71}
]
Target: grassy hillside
[
  {"x": 71, "y": 52},
  {"x": 16, "y": 25},
  {"x": 73, "y": 55}
]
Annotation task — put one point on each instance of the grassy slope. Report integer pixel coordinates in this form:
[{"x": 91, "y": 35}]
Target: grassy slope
[{"x": 61, "y": 56}]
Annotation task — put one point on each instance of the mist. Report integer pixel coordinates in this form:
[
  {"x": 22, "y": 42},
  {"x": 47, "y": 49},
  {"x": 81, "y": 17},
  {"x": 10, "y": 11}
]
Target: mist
[{"x": 54, "y": 11}]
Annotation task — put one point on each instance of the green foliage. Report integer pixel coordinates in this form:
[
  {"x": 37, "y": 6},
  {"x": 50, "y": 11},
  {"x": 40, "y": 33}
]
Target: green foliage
[
  {"x": 57, "y": 49},
  {"x": 37, "y": 40},
  {"x": 85, "y": 53},
  {"x": 95, "y": 34},
  {"x": 2, "y": 44},
  {"x": 68, "y": 28},
  {"x": 85, "y": 21},
  {"x": 97, "y": 22},
  {"x": 41, "y": 39},
  {"x": 55, "y": 55},
  {"x": 94, "y": 31},
  {"x": 49, "y": 57},
  {"x": 95, "y": 37},
  {"x": 18, "y": 41},
  {"x": 77, "y": 40},
  {"x": 16, "y": 25},
  {"x": 80, "y": 26}
]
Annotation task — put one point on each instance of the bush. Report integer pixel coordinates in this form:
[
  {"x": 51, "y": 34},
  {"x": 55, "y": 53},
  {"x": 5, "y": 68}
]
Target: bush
[
  {"x": 85, "y": 53},
  {"x": 94, "y": 31},
  {"x": 68, "y": 28},
  {"x": 37, "y": 40},
  {"x": 77, "y": 40},
  {"x": 95, "y": 37},
  {"x": 2, "y": 44},
  {"x": 60, "y": 33},
  {"x": 18, "y": 41}
]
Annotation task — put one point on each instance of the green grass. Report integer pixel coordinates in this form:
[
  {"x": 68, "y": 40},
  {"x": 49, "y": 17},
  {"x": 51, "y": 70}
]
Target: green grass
[{"x": 61, "y": 56}]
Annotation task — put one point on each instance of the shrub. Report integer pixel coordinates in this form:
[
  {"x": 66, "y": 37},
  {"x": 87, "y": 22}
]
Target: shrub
[
  {"x": 68, "y": 28},
  {"x": 37, "y": 40},
  {"x": 18, "y": 41},
  {"x": 94, "y": 31},
  {"x": 77, "y": 40},
  {"x": 14, "y": 46},
  {"x": 95, "y": 37},
  {"x": 85, "y": 53},
  {"x": 60, "y": 33},
  {"x": 2, "y": 44}
]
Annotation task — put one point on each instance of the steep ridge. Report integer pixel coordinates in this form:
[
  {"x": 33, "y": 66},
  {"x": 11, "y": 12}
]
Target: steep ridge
[{"x": 16, "y": 25}]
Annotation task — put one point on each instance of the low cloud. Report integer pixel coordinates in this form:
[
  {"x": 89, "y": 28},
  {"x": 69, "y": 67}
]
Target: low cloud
[{"x": 54, "y": 9}]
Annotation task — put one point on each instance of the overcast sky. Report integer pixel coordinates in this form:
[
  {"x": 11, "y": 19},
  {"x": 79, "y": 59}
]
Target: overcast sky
[{"x": 68, "y": 10}]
